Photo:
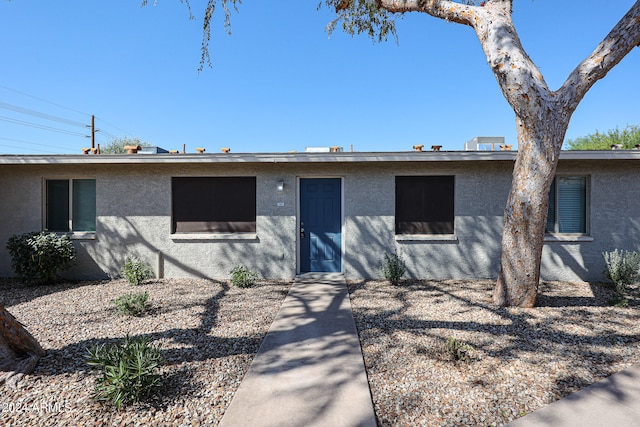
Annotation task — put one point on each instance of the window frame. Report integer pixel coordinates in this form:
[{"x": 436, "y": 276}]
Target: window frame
[
  {"x": 73, "y": 234},
  {"x": 556, "y": 234},
  {"x": 212, "y": 234},
  {"x": 425, "y": 236}
]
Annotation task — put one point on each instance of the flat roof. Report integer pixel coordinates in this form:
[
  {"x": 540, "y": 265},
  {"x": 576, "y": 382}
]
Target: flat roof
[{"x": 339, "y": 157}]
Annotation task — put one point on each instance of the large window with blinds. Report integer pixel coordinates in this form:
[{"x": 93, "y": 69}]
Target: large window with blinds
[
  {"x": 424, "y": 204},
  {"x": 70, "y": 205},
  {"x": 213, "y": 204},
  {"x": 568, "y": 205}
]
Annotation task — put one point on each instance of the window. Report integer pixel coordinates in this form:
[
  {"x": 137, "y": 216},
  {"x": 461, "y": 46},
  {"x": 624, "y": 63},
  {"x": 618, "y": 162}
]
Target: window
[
  {"x": 214, "y": 205},
  {"x": 70, "y": 205},
  {"x": 424, "y": 204},
  {"x": 568, "y": 205}
]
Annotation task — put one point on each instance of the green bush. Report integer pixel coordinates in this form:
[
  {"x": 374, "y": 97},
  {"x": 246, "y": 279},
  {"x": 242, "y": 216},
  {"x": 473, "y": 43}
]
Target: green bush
[
  {"x": 37, "y": 257},
  {"x": 127, "y": 371},
  {"x": 136, "y": 271},
  {"x": 242, "y": 277},
  {"x": 393, "y": 267},
  {"x": 133, "y": 304},
  {"x": 622, "y": 268},
  {"x": 457, "y": 350}
]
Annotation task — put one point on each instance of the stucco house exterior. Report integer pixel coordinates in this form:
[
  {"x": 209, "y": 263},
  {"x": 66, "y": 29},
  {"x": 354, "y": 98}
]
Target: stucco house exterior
[{"x": 283, "y": 214}]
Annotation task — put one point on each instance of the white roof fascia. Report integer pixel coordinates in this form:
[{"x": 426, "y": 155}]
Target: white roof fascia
[{"x": 343, "y": 157}]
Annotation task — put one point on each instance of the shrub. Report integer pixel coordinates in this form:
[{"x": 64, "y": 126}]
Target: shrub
[
  {"x": 456, "y": 349},
  {"x": 618, "y": 300},
  {"x": 136, "y": 271},
  {"x": 393, "y": 267},
  {"x": 127, "y": 370},
  {"x": 133, "y": 304},
  {"x": 622, "y": 268},
  {"x": 242, "y": 277},
  {"x": 37, "y": 257}
]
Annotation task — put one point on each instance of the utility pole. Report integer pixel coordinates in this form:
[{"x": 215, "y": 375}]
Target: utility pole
[{"x": 93, "y": 131}]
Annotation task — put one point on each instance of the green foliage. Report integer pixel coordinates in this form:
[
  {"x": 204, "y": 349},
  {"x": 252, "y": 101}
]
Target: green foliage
[
  {"x": 37, "y": 257},
  {"x": 116, "y": 146},
  {"x": 629, "y": 137},
  {"x": 457, "y": 350},
  {"x": 136, "y": 271},
  {"x": 618, "y": 300},
  {"x": 133, "y": 304},
  {"x": 393, "y": 267},
  {"x": 127, "y": 370},
  {"x": 242, "y": 277},
  {"x": 362, "y": 17},
  {"x": 622, "y": 268}
]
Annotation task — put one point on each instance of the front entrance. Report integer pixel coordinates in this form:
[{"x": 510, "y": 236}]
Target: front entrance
[{"x": 320, "y": 225}]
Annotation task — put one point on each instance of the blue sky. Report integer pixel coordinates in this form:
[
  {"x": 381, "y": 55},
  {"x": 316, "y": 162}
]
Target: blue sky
[{"x": 278, "y": 83}]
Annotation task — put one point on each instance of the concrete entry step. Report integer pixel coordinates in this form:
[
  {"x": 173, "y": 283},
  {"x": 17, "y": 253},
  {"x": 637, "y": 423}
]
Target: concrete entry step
[{"x": 309, "y": 369}]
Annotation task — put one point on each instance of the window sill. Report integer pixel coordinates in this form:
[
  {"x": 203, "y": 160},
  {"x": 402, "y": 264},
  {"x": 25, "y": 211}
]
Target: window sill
[
  {"x": 567, "y": 238},
  {"x": 215, "y": 236},
  {"x": 80, "y": 235},
  {"x": 426, "y": 238}
]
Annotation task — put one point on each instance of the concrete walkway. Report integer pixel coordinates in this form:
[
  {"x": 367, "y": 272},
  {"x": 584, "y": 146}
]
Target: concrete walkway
[
  {"x": 309, "y": 369},
  {"x": 614, "y": 401}
]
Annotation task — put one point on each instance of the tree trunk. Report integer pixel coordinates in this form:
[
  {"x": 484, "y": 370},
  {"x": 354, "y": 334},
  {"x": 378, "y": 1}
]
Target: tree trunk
[
  {"x": 19, "y": 350},
  {"x": 525, "y": 216}
]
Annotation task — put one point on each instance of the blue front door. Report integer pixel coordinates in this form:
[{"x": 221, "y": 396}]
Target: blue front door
[{"x": 320, "y": 225}]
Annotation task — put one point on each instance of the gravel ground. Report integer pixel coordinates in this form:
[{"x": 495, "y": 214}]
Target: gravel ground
[
  {"x": 519, "y": 360},
  {"x": 208, "y": 332}
]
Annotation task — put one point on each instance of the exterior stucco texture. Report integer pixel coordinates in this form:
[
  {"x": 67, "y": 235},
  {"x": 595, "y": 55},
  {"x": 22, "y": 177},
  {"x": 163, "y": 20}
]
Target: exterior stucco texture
[{"x": 134, "y": 208}]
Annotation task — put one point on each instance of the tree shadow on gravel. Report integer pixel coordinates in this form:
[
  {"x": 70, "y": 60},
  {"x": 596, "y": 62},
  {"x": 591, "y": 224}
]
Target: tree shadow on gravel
[
  {"x": 14, "y": 291},
  {"x": 185, "y": 345},
  {"x": 563, "y": 327}
]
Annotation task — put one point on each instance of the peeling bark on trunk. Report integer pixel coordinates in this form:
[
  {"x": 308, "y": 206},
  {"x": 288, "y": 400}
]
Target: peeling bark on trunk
[
  {"x": 525, "y": 216},
  {"x": 19, "y": 350}
]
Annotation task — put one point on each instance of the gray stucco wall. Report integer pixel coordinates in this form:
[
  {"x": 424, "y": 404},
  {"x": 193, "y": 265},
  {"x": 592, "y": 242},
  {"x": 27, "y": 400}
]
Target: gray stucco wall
[{"x": 133, "y": 206}]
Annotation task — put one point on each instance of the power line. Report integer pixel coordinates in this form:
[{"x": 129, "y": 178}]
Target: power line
[
  {"x": 38, "y": 126},
  {"x": 22, "y": 148},
  {"x": 113, "y": 126},
  {"x": 50, "y": 116},
  {"x": 43, "y": 100},
  {"x": 40, "y": 115},
  {"x": 32, "y": 143}
]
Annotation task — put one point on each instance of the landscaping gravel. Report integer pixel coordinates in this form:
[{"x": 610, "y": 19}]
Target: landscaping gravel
[
  {"x": 519, "y": 359},
  {"x": 209, "y": 333}
]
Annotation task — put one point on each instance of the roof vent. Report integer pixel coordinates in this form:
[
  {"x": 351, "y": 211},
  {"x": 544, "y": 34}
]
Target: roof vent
[
  {"x": 333, "y": 149},
  {"x": 148, "y": 149},
  {"x": 484, "y": 143}
]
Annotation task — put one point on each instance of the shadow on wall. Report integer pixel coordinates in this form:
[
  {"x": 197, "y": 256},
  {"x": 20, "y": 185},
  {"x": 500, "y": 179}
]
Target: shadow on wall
[
  {"x": 475, "y": 252},
  {"x": 119, "y": 237}
]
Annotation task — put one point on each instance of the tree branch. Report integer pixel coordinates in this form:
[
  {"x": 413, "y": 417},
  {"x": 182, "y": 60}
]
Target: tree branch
[
  {"x": 444, "y": 9},
  {"x": 624, "y": 36}
]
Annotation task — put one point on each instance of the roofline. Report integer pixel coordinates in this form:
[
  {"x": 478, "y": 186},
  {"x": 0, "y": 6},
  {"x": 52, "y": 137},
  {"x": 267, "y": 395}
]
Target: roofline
[{"x": 340, "y": 157}]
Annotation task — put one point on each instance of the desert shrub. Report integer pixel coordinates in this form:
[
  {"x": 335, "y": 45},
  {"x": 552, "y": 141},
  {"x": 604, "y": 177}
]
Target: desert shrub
[
  {"x": 622, "y": 268},
  {"x": 37, "y": 257},
  {"x": 132, "y": 304},
  {"x": 127, "y": 371},
  {"x": 393, "y": 267},
  {"x": 136, "y": 271},
  {"x": 242, "y": 277},
  {"x": 618, "y": 300},
  {"x": 457, "y": 350}
]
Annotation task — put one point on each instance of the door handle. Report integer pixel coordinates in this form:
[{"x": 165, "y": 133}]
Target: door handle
[{"x": 302, "y": 233}]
